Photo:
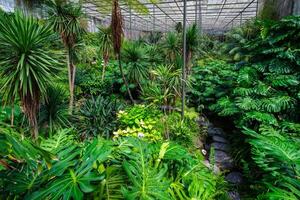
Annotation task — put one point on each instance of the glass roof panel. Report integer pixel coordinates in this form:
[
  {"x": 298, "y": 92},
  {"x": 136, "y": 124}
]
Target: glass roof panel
[{"x": 214, "y": 16}]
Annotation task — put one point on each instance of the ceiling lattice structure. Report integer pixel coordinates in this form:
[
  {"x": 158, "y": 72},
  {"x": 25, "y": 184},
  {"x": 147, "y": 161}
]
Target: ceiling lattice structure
[{"x": 214, "y": 16}]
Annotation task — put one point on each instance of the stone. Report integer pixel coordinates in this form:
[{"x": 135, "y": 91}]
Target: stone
[
  {"x": 219, "y": 131},
  {"x": 219, "y": 139},
  {"x": 234, "y": 195},
  {"x": 234, "y": 178},
  {"x": 211, "y": 131},
  {"x": 223, "y": 160},
  {"x": 220, "y": 146}
]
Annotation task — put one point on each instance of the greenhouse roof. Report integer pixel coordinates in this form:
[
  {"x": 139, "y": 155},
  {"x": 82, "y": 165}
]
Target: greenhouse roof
[{"x": 214, "y": 16}]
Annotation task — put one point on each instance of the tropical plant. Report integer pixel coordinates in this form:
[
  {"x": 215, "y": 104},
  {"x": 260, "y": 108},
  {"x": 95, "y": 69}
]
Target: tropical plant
[
  {"x": 26, "y": 64},
  {"x": 192, "y": 43},
  {"x": 70, "y": 174},
  {"x": 155, "y": 54},
  {"x": 54, "y": 110},
  {"x": 139, "y": 121},
  {"x": 278, "y": 156},
  {"x": 105, "y": 43},
  {"x": 134, "y": 55},
  {"x": 211, "y": 79},
  {"x": 237, "y": 39},
  {"x": 117, "y": 32},
  {"x": 164, "y": 89},
  {"x": 153, "y": 37},
  {"x": 171, "y": 46},
  {"x": 97, "y": 116},
  {"x": 65, "y": 18}
]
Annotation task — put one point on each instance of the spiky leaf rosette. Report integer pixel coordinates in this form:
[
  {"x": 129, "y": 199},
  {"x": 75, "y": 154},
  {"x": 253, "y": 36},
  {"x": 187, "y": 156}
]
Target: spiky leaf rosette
[{"x": 26, "y": 64}]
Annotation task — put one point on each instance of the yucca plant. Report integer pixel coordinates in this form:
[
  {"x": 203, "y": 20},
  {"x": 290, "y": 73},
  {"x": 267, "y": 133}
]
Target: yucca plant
[
  {"x": 134, "y": 55},
  {"x": 26, "y": 64},
  {"x": 54, "y": 110},
  {"x": 164, "y": 89},
  {"x": 65, "y": 17},
  {"x": 192, "y": 43},
  {"x": 171, "y": 46},
  {"x": 105, "y": 43}
]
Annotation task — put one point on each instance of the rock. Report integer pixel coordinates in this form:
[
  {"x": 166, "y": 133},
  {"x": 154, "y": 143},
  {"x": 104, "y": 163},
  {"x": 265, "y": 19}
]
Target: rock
[
  {"x": 220, "y": 146},
  {"x": 211, "y": 131},
  {"x": 219, "y": 139},
  {"x": 234, "y": 178},
  {"x": 216, "y": 169},
  {"x": 219, "y": 131},
  {"x": 234, "y": 195},
  {"x": 223, "y": 160}
]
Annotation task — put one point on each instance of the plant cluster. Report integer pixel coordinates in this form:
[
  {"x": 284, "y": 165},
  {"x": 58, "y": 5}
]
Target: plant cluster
[
  {"x": 139, "y": 121},
  {"x": 261, "y": 95},
  {"x": 60, "y": 167}
]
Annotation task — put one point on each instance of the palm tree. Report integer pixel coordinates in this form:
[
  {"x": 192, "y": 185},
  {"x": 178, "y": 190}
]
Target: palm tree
[
  {"x": 117, "y": 32},
  {"x": 171, "y": 46},
  {"x": 26, "y": 65},
  {"x": 65, "y": 18},
  {"x": 105, "y": 43},
  {"x": 192, "y": 43},
  {"x": 136, "y": 59}
]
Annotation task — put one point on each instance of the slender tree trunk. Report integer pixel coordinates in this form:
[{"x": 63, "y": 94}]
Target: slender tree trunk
[
  {"x": 35, "y": 129},
  {"x": 105, "y": 61},
  {"x": 124, "y": 79},
  {"x": 103, "y": 71},
  {"x": 71, "y": 75}
]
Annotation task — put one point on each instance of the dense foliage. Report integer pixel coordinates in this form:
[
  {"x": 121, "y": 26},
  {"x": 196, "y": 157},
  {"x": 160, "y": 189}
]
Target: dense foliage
[
  {"x": 261, "y": 95},
  {"x": 123, "y": 136}
]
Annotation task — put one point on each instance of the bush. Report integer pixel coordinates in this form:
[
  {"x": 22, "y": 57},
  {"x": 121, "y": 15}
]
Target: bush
[
  {"x": 97, "y": 116},
  {"x": 139, "y": 121}
]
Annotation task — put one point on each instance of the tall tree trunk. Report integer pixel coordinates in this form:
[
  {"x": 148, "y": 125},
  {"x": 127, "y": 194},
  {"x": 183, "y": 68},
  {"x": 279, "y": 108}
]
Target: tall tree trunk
[
  {"x": 105, "y": 61},
  {"x": 124, "y": 79},
  {"x": 35, "y": 129},
  {"x": 71, "y": 75}
]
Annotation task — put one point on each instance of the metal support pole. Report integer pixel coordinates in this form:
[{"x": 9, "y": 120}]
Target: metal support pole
[
  {"x": 200, "y": 17},
  {"x": 196, "y": 13},
  {"x": 241, "y": 19},
  {"x": 256, "y": 8},
  {"x": 130, "y": 28},
  {"x": 184, "y": 62},
  {"x": 153, "y": 17}
]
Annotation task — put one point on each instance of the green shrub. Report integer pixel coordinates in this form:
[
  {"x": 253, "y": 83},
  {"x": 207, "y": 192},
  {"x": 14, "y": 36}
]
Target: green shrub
[
  {"x": 126, "y": 168},
  {"x": 97, "y": 116},
  {"x": 139, "y": 121},
  {"x": 182, "y": 131}
]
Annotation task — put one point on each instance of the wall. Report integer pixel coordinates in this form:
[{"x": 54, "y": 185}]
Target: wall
[{"x": 277, "y": 9}]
